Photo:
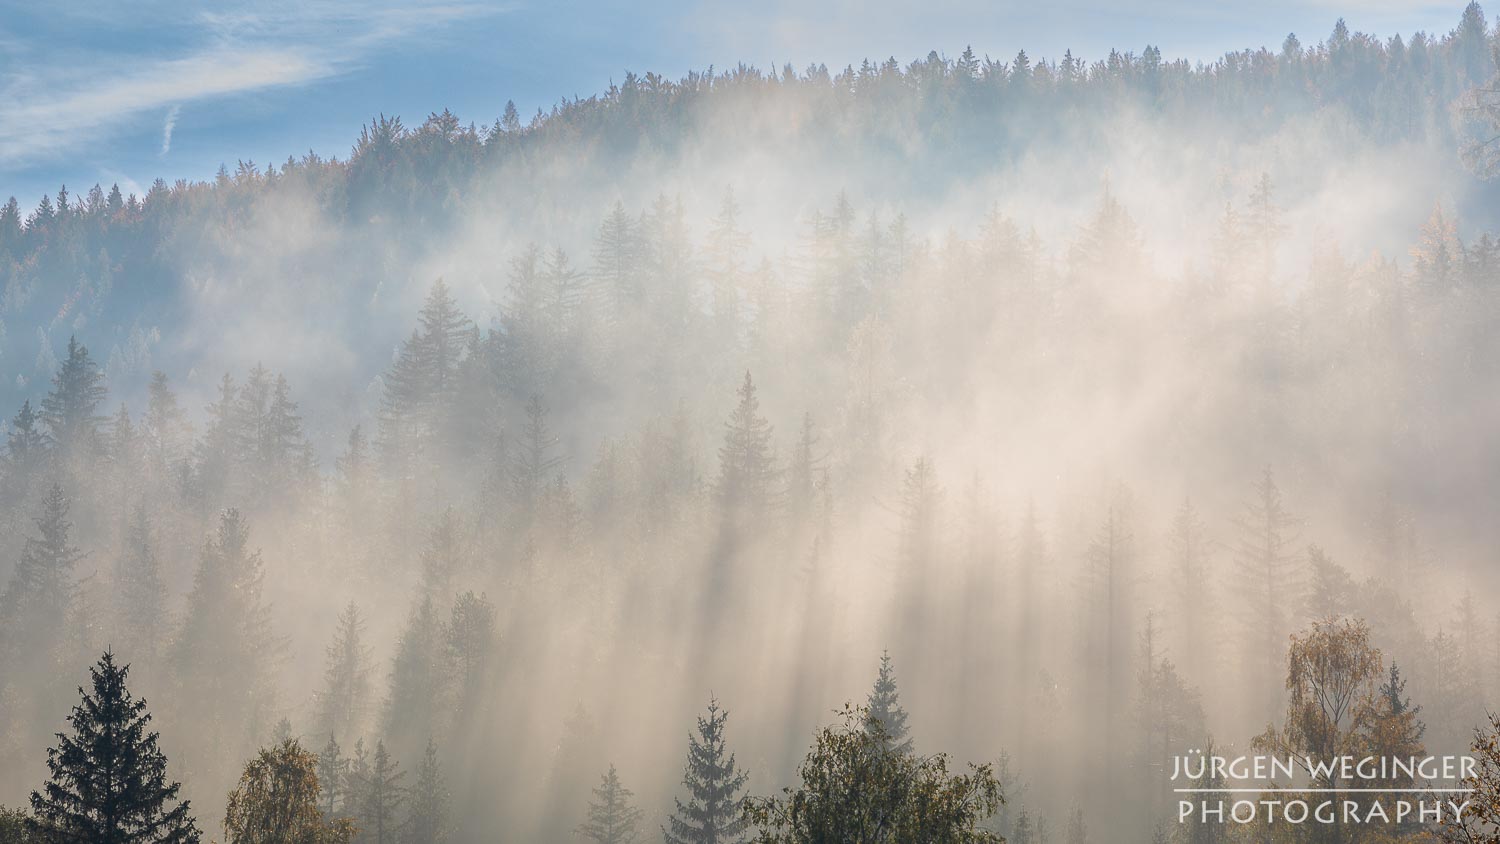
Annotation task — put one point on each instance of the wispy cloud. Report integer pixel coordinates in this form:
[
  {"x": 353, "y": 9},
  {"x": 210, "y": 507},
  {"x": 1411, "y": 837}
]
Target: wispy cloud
[
  {"x": 166, "y": 129},
  {"x": 47, "y": 112}
]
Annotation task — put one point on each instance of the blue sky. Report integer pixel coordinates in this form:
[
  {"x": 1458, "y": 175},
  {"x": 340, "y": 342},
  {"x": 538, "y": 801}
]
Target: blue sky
[{"x": 126, "y": 92}]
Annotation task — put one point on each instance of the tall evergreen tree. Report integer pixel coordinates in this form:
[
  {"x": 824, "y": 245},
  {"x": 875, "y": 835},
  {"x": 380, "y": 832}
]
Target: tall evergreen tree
[
  {"x": 139, "y": 593},
  {"x": 612, "y": 819},
  {"x": 711, "y": 814},
  {"x": 225, "y": 646},
  {"x": 332, "y": 771},
  {"x": 346, "y": 682},
  {"x": 25, "y": 453},
  {"x": 71, "y": 409},
  {"x": 378, "y": 796},
  {"x": 108, "y": 779},
  {"x": 885, "y": 709},
  {"x": 416, "y": 678},
  {"x": 41, "y": 591},
  {"x": 1265, "y": 579},
  {"x": 746, "y": 461},
  {"x": 427, "y": 822}
]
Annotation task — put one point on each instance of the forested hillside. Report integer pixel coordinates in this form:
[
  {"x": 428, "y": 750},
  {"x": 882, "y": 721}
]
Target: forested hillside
[{"x": 462, "y": 474}]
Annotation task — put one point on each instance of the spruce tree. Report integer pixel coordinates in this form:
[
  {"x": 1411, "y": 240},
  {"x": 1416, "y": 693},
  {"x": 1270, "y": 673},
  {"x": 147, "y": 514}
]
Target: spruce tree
[
  {"x": 470, "y": 638},
  {"x": 711, "y": 814},
  {"x": 378, "y": 796},
  {"x": 346, "y": 677},
  {"x": 746, "y": 468},
  {"x": 427, "y": 822},
  {"x": 534, "y": 462},
  {"x": 885, "y": 709},
  {"x": 1266, "y": 580},
  {"x": 70, "y": 410},
  {"x": 108, "y": 782},
  {"x": 225, "y": 646},
  {"x": 332, "y": 772},
  {"x": 42, "y": 587},
  {"x": 611, "y": 819},
  {"x": 139, "y": 593},
  {"x": 25, "y": 452},
  {"x": 416, "y": 678}
]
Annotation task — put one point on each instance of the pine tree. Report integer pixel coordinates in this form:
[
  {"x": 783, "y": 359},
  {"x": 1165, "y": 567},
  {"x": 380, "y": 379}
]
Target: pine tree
[
  {"x": 885, "y": 709},
  {"x": 427, "y": 822},
  {"x": 611, "y": 819},
  {"x": 108, "y": 782},
  {"x": 70, "y": 411},
  {"x": 711, "y": 814},
  {"x": 346, "y": 681},
  {"x": 378, "y": 796}
]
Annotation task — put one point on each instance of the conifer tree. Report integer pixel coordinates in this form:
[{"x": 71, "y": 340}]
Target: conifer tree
[
  {"x": 225, "y": 646},
  {"x": 611, "y": 819},
  {"x": 1265, "y": 579},
  {"x": 1390, "y": 729},
  {"x": 139, "y": 593},
  {"x": 427, "y": 822},
  {"x": 378, "y": 796},
  {"x": 25, "y": 453},
  {"x": 470, "y": 636},
  {"x": 885, "y": 709},
  {"x": 70, "y": 410},
  {"x": 534, "y": 462},
  {"x": 41, "y": 591},
  {"x": 1077, "y": 830},
  {"x": 416, "y": 678},
  {"x": 108, "y": 779},
  {"x": 711, "y": 814},
  {"x": 333, "y": 771},
  {"x": 746, "y": 468},
  {"x": 1188, "y": 547},
  {"x": 346, "y": 682},
  {"x": 617, "y": 257}
]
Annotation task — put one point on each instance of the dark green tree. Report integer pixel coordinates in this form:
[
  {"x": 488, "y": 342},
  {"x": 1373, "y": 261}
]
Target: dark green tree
[
  {"x": 712, "y": 813},
  {"x": 108, "y": 780}
]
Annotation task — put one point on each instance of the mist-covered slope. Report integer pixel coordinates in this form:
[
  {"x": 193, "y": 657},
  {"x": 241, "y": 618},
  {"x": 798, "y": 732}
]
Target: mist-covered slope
[{"x": 1077, "y": 387}]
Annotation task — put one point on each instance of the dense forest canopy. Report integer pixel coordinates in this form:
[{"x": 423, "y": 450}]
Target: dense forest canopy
[{"x": 436, "y": 491}]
